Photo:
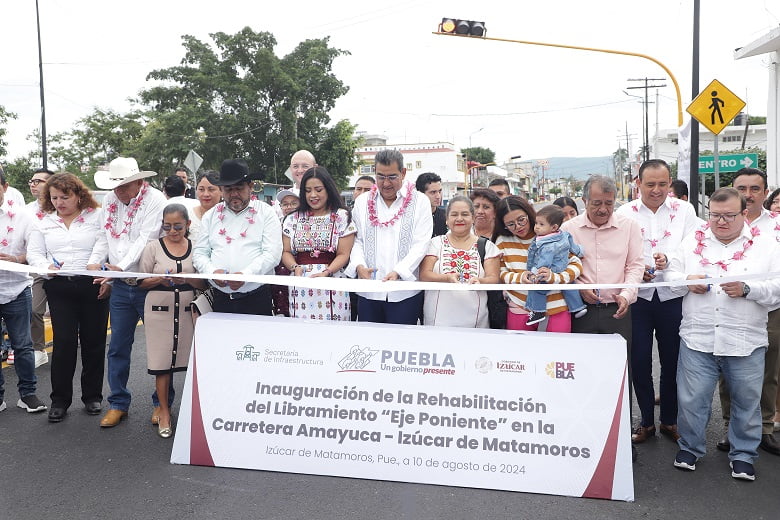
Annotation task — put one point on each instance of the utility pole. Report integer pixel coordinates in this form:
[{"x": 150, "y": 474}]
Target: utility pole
[
  {"x": 627, "y": 166},
  {"x": 43, "y": 104},
  {"x": 646, "y": 86}
]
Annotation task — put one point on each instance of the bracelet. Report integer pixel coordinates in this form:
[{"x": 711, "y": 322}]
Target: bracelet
[{"x": 292, "y": 267}]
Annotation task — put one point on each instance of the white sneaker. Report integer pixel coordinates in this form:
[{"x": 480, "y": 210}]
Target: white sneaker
[
  {"x": 10, "y": 359},
  {"x": 3, "y": 406},
  {"x": 41, "y": 358}
]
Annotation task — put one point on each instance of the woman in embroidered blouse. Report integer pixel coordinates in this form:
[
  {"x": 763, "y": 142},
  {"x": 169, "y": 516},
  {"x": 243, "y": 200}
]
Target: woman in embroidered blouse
[
  {"x": 454, "y": 258},
  {"x": 63, "y": 237},
  {"x": 515, "y": 220},
  {"x": 317, "y": 241},
  {"x": 167, "y": 316}
]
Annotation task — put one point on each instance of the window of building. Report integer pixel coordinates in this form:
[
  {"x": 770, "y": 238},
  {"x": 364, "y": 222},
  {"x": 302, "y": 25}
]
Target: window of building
[
  {"x": 732, "y": 138},
  {"x": 367, "y": 169},
  {"x": 408, "y": 166},
  {"x": 418, "y": 164}
]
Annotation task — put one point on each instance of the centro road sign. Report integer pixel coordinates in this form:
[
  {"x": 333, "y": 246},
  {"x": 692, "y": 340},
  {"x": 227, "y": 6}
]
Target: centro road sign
[
  {"x": 728, "y": 163},
  {"x": 715, "y": 106}
]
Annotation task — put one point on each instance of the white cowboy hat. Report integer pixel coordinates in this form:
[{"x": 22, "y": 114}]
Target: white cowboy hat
[{"x": 120, "y": 171}]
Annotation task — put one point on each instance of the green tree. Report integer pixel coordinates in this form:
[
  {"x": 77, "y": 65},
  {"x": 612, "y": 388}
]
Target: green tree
[
  {"x": 479, "y": 154},
  {"x": 233, "y": 97},
  {"x": 4, "y": 117},
  {"x": 336, "y": 152}
]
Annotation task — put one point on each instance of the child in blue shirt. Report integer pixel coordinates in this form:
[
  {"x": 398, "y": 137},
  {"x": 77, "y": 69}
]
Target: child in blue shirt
[{"x": 551, "y": 249}]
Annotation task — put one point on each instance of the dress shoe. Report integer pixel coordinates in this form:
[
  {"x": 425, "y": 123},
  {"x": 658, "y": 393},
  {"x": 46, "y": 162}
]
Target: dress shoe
[
  {"x": 724, "y": 444},
  {"x": 156, "y": 415},
  {"x": 164, "y": 432},
  {"x": 93, "y": 407},
  {"x": 634, "y": 454},
  {"x": 770, "y": 444},
  {"x": 112, "y": 418},
  {"x": 57, "y": 413},
  {"x": 642, "y": 433},
  {"x": 670, "y": 430}
]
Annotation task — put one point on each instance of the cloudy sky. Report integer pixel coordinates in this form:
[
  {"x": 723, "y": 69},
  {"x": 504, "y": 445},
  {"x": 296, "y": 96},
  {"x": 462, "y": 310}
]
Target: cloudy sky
[{"x": 405, "y": 82}]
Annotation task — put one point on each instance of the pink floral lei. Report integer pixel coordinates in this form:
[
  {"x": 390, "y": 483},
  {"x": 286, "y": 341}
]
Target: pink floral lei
[
  {"x": 739, "y": 255},
  {"x": 111, "y": 209},
  {"x": 674, "y": 205},
  {"x": 8, "y": 229},
  {"x": 249, "y": 218},
  {"x": 372, "y": 216}
]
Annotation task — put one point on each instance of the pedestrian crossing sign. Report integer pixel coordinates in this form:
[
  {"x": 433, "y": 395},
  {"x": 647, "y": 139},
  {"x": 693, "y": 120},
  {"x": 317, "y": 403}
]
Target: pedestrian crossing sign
[{"x": 715, "y": 107}]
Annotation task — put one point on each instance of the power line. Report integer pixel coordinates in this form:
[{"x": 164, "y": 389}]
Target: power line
[{"x": 534, "y": 111}]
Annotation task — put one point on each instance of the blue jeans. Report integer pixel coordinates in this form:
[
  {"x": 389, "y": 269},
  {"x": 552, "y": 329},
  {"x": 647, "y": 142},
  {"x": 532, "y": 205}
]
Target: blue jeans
[
  {"x": 536, "y": 300},
  {"x": 126, "y": 307},
  {"x": 697, "y": 375},
  {"x": 16, "y": 314}
]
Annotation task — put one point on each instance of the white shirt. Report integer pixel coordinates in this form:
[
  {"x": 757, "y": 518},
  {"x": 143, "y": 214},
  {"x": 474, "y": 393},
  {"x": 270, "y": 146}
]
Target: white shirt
[
  {"x": 15, "y": 224},
  {"x": 713, "y": 322},
  {"x": 221, "y": 245},
  {"x": 35, "y": 210},
  {"x": 662, "y": 232},
  {"x": 71, "y": 246},
  {"x": 388, "y": 239},
  {"x": 15, "y": 195},
  {"x": 145, "y": 225}
]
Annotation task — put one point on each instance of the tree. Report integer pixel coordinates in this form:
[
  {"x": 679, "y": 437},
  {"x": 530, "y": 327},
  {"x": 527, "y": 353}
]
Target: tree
[
  {"x": 479, "y": 154},
  {"x": 336, "y": 152},
  {"x": 4, "y": 117},
  {"x": 233, "y": 97}
]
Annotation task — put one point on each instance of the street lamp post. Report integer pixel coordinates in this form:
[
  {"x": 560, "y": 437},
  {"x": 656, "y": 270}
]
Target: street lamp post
[
  {"x": 43, "y": 104},
  {"x": 591, "y": 49}
]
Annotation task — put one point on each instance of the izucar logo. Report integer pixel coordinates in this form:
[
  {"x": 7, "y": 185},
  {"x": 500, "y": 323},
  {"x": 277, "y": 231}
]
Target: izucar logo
[
  {"x": 248, "y": 353},
  {"x": 560, "y": 370},
  {"x": 509, "y": 365}
]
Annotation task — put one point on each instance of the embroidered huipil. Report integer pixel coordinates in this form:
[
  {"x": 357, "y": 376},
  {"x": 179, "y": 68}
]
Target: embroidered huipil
[
  {"x": 713, "y": 321},
  {"x": 249, "y": 242},
  {"x": 400, "y": 247},
  {"x": 662, "y": 232}
]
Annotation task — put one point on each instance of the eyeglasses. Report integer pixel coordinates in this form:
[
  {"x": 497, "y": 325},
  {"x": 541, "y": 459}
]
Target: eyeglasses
[
  {"x": 288, "y": 205},
  {"x": 727, "y": 217},
  {"x": 176, "y": 227},
  {"x": 518, "y": 222},
  {"x": 35, "y": 182},
  {"x": 391, "y": 178}
]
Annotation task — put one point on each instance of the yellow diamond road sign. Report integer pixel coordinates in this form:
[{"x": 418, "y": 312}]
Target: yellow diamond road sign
[{"x": 715, "y": 106}]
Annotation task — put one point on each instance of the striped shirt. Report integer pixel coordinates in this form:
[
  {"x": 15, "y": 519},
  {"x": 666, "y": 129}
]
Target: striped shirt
[{"x": 513, "y": 264}]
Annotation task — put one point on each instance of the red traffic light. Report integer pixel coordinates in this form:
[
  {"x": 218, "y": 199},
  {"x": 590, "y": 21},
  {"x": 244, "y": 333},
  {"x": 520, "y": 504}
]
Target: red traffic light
[{"x": 462, "y": 27}]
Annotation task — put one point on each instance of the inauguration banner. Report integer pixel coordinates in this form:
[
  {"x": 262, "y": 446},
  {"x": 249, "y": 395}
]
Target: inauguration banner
[{"x": 517, "y": 411}]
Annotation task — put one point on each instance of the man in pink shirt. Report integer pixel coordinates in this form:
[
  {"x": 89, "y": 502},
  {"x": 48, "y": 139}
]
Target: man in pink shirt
[{"x": 613, "y": 255}]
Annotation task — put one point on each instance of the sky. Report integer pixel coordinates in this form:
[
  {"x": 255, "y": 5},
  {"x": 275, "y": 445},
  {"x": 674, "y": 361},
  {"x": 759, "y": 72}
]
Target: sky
[{"x": 405, "y": 82}]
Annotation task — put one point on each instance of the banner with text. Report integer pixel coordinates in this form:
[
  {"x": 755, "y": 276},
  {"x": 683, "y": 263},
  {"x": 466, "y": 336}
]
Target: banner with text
[{"x": 517, "y": 411}]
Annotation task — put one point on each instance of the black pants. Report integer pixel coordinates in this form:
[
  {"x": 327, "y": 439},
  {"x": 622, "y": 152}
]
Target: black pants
[
  {"x": 256, "y": 302},
  {"x": 78, "y": 319}
]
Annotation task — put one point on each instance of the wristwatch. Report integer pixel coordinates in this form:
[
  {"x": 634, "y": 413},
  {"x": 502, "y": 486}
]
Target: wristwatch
[{"x": 745, "y": 290}]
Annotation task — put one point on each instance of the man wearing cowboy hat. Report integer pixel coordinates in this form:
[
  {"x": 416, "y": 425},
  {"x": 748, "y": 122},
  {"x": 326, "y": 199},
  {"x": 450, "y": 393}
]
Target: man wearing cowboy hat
[
  {"x": 133, "y": 217},
  {"x": 239, "y": 236}
]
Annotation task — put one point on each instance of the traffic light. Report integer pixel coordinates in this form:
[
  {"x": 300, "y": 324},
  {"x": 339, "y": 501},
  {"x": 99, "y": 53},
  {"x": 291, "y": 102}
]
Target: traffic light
[{"x": 462, "y": 27}]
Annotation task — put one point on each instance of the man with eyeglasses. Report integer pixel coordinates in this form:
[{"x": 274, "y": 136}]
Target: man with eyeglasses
[
  {"x": 751, "y": 183},
  {"x": 37, "y": 327},
  {"x": 724, "y": 329},
  {"x": 613, "y": 255},
  {"x": 664, "y": 222},
  {"x": 394, "y": 226}
]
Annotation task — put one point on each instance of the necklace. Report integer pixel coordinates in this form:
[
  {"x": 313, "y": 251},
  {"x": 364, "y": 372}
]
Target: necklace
[
  {"x": 653, "y": 241},
  {"x": 723, "y": 264},
  {"x": 131, "y": 211},
  {"x": 8, "y": 229},
  {"x": 249, "y": 218},
  {"x": 372, "y": 215}
]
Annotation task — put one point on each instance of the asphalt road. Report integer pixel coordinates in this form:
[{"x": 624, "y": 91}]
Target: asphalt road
[{"x": 75, "y": 470}]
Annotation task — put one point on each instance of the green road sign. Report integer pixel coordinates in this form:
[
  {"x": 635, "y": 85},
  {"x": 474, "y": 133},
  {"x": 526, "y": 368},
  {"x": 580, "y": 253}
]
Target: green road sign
[{"x": 728, "y": 163}]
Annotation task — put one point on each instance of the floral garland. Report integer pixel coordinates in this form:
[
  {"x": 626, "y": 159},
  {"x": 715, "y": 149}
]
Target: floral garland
[
  {"x": 79, "y": 219},
  {"x": 675, "y": 205},
  {"x": 8, "y": 229},
  {"x": 738, "y": 255},
  {"x": 221, "y": 216},
  {"x": 132, "y": 210},
  {"x": 372, "y": 215}
]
